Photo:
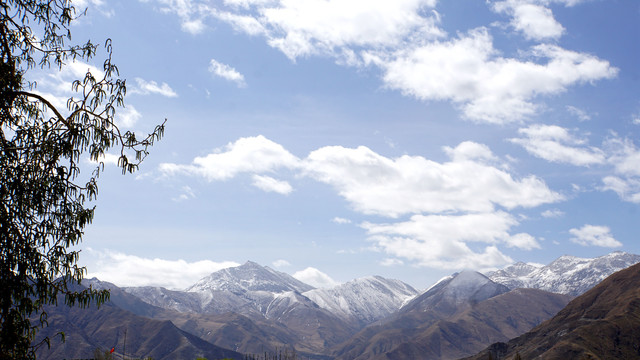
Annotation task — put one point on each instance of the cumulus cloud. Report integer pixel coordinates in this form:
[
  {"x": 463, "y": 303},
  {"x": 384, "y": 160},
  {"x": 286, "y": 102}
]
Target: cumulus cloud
[
  {"x": 226, "y": 72},
  {"x": 375, "y": 184},
  {"x": 130, "y": 270},
  {"x": 281, "y": 263},
  {"x": 489, "y": 88},
  {"x": 315, "y": 278},
  {"x": 455, "y": 206},
  {"x": 592, "y": 235},
  {"x": 339, "y": 220},
  {"x": 255, "y": 155},
  {"x": 557, "y": 144},
  {"x": 269, "y": 184},
  {"x": 145, "y": 87},
  {"x": 552, "y": 213},
  {"x": 625, "y": 157},
  {"x": 444, "y": 240},
  {"x": 403, "y": 38},
  {"x": 535, "y": 21}
]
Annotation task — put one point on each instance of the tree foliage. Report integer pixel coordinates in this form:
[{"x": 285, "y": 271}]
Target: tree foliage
[{"x": 44, "y": 199}]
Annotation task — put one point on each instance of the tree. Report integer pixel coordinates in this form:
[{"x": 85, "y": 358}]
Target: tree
[{"x": 44, "y": 200}]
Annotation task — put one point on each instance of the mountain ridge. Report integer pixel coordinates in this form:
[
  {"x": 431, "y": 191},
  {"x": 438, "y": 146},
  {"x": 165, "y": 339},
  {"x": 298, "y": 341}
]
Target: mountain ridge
[
  {"x": 566, "y": 275},
  {"x": 602, "y": 323}
]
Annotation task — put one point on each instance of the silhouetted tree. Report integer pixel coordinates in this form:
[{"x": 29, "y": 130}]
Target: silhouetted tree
[{"x": 43, "y": 208}]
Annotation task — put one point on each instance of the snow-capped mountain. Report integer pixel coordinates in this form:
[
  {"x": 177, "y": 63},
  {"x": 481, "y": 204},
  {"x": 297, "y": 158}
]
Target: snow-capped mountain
[
  {"x": 249, "y": 277},
  {"x": 566, "y": 275},
  {"x": 453, "y": 293},
  {"x": 248, "y": 289},
  {"x": 366, "y": 299}
]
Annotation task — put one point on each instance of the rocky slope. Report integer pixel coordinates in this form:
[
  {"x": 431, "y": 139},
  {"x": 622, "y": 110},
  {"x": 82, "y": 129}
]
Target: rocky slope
[
  {"x": 456, "y": 317},
  {"x": 103, "y": 328},
  {"x": 566, "y": 275},
  {"x": 603, "y": 323},
  {"x": 364, "y": 300}
]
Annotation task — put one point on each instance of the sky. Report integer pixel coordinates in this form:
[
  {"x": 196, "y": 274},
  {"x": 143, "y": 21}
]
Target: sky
[{"x": 336, "y": 139}]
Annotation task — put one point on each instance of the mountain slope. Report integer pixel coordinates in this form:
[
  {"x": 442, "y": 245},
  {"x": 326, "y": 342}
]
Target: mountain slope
[
  {"x": 364, "y": 300},
  {"x": 268, "y": 298},
  {"x": 603, "y": 323},
  {"x": 448, "y": 297},
  {"x": 453, "y": 293},
  {"x": 89, "y": 329},
  {"x": 229, "y": 330},
  {"x": 500, "y": 317},
  {"x": 566, "y": 275}
]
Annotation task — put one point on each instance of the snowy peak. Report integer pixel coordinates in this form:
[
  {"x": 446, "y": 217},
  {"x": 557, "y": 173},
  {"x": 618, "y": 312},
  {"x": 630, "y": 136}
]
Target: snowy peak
[
  {"x": 568, "y": 274},
  {"x": 456, "y": 292},
  {"x": 470, "y": 286},
  {"x": 365, "y": 300},
  {"x": 249, "y": 277},
  {"x": 516, "y": 270}
]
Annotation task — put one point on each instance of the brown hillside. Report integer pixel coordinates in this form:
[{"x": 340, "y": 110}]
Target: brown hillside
[{"x": 603, "y": 323}]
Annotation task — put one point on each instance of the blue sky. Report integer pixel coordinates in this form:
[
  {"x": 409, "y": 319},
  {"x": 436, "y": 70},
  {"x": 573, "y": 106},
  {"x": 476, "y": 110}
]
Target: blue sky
[{"x": 338, "y": 139}]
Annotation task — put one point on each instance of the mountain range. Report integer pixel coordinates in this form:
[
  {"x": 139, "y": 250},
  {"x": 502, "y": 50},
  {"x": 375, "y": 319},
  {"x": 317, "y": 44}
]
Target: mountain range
[
  {"x": 252, "y": 309},
  {"x": 603, "y": 323},
  {"x": 566, "y": 275}
]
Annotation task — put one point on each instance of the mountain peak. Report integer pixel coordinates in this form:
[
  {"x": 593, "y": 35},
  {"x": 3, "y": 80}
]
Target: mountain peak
[
  {"x": 250, "y": 276},
  {"x": 453, "y": 293},
  {"x": 567, "y": 274}
]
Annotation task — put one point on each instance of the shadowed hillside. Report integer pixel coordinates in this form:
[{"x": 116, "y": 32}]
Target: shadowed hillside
[{"x": 603, "y": 323}]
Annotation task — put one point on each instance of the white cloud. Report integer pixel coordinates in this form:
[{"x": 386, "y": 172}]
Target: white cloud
[
  {"x": 315, "y": 278},
  {"x": 128, "y": 117},
  {"x": 625, "y": 157},
  {"x": 336, "y": 26},
  {"x": 469, "y": 150},
  {"x": 247, "y": 155},
  {"x": 451, "y": 214},
  {"x": 110, "y": 159},
  {"x": 552, "y": 213},
  {"x": 130, "y": 270},
  {"x": 374, "y": 184},
  {"x": 339, "y": 220},
  {"x": 391, "y": 262},
  {"x": 417, "y": 57},
  {"x": 281, "y": 263},
  {"x": 269, "y": 184},
  {"x": 579, "y": 113},
  {"x": 627, "y": 189},
  {"x": 226, "y": 72},
  {"x": 151, "y": 87},
  {"x": 194, "y": 27},
  {"x": 489, "y": 88},
  {"x": 556, "y": 144},
  {"x": 242, "y": 23},
  {"x": 535, "y": 21},
  {"x": 434, "y": 237},
  {"x": 591, "y": 235}
]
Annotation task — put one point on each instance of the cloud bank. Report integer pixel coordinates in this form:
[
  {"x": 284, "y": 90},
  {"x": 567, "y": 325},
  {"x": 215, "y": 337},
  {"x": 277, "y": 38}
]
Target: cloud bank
[
  {"x": 130, "y": 270},
  {"x": 454, "y": 206}
]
